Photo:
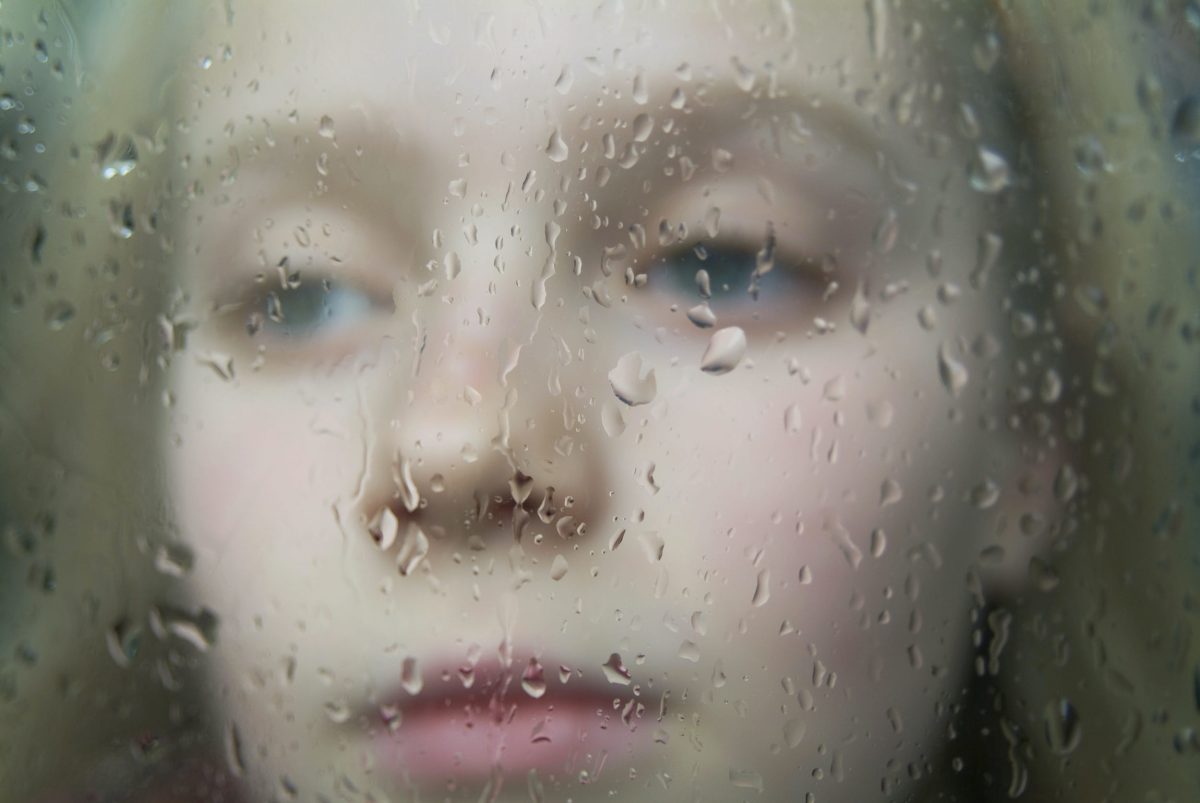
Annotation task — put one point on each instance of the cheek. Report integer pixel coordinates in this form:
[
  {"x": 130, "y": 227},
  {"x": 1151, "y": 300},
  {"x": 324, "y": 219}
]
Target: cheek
[{"x": 259, "y": 461}]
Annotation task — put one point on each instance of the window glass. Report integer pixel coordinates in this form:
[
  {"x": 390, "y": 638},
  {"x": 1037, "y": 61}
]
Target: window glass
[{"x": 643, "y": 400}]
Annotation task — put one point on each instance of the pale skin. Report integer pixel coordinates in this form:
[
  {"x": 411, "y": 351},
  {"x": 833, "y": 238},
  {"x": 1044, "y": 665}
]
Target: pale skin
[{"x": 772, "y": 636}]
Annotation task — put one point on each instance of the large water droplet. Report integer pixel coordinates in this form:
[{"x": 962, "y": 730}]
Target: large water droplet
[
  {"x": 725, "y": 350},
  {"x": 174, "y": 560},
  {"x": 989, "y": 173},
  {"x": 556, "y": 147},
  {"x": 1063, "y": 731},
  {"x": 325, "y": 127},
  {"x": 558, "y": 568},
  {"x": 630, "y": 384},
  {"x": 410, "y": 676},
  {"x": 985, "y": 494},
  {"x": 702, "y": 316},
  {"x": 615, "y": 671},
  {"x": 878, "y": 542},
  {"x": 642, "y": 127},
  {"x": 58, "y": 314},
  {"x": 762, "y": 589},
  {"x": 413, "y": 550},
  {"x": 953, "y": 373},
  {"x": 533, "y": 680},
  {"x": 890, "y": 492},
  {"x": 793, "y": 732},
  {"x": 116, "y": 157}
]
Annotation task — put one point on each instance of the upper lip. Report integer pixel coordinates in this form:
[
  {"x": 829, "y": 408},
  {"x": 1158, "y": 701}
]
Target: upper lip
[{"x": 489, "y": 688}]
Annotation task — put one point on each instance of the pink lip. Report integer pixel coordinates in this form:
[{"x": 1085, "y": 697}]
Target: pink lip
[{"x": 495, "y": 727}]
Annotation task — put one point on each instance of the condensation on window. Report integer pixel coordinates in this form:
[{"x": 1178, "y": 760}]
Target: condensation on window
[{"x": 603, "y": 401}]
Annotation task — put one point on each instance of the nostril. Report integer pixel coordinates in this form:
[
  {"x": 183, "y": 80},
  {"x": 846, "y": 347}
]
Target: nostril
[{"x": 476, "y": 509}]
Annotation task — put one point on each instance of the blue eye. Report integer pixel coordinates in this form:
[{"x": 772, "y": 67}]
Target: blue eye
[
  {"x": 737, "y": 295},
  {"x": 314, "y": 308}
]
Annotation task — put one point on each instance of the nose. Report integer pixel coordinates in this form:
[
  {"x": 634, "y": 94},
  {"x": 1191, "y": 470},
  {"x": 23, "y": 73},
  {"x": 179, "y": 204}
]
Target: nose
[{"x": 477, "y": 436}]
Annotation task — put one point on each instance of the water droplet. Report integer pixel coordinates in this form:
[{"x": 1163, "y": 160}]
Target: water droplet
[
  {"x": 220, "y": 364},
  {"x": 58, "y": 314},
  {"x": 558, "y": 568},
  {"x": 325, "y": 127},
  {"x": 985, "y": 494},
  {"x": 615, "y": 671},
  {"x": 1185, "y": 124},
  {"x": 725, "y": 350},
  {"x": 533, "y": 679},
  {"x": 792, "y": 418},
  {"x": 953, "y": 373},
  {"x": 722, "y": 160},
  {"x": 452, "y": 265},
  {"x": 835, "y": 389},
  {"x": 860, "y": 309},
  {"x": 640, "y": 94},
  {"x": 337, "y": 711},
  {"x": 413, "y": 550},
  {"x": 408, "y": 489},
  {"x": 1044, "y": 577},
  {"x": 1063, "y": 731},
  {"x": 566, "y": 78},
  {"x": 556, "y": 147},
  {"x": 116, "y": 157},
  {"x": 642, "y": 127},
  {"x": 877, "y": 25},
  {"x": 233, "y": 751},
  {"x": 746, "y": 779},
  {"x": 793, "y": 732},
  {"x": 762, "y": 589},
  {"x": 890, "y": 492},
  {"x": 1090, "y": 158},
  {"x": 989, "y": 173},
  {"x": 457, "y": 188},
  {"x": 1051, "y": 386},
  {"x": 173, "y": 560},
  {"x": 653, "y": 545},
  {"x": 410, "y": 676},
  {"x": 878, "y": 542},
  {"x": 612, "y": 420},
  {"x": 198, "y": 628},
  {"x": 630, "y": 384},
  {"x": 124, "y": 641},
  {"x": 704, "y": 283},
  {"x": 881, "y": 413},
  {"x": 887, "y": 231},
  {"x": 702, "y": 316},
  {"x": 385, "y": 529},
  {"x": 688, "y": 651},
  {"x": 1066, "y": 483}
]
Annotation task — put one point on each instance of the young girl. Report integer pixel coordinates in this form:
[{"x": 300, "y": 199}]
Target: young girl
[{"x": 755, "y": 400}]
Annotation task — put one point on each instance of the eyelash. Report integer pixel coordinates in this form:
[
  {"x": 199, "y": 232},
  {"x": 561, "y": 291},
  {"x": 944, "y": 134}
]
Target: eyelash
[
  {"x": 791, "y": 286},
  {"x": 310, "y": 311}
]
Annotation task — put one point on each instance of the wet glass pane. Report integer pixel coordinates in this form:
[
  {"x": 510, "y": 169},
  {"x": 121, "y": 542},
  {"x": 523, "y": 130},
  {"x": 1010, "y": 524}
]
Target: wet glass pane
[{"x": 644, "y": 400}]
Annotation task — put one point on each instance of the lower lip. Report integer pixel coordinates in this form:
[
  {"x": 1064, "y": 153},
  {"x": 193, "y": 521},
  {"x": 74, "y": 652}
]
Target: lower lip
[{"x": 563, "y": 737}]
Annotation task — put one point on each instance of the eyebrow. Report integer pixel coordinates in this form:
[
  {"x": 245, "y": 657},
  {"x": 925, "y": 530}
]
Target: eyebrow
[{"x": 827, "y": 121}]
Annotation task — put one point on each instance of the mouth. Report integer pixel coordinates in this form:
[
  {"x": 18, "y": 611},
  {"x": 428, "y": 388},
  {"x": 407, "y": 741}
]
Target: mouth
[{"x": 479, "y": 722}]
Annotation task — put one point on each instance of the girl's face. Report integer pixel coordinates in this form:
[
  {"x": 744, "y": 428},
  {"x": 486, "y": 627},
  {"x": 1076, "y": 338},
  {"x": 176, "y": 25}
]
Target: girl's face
[{"x": 491, "y": 488}]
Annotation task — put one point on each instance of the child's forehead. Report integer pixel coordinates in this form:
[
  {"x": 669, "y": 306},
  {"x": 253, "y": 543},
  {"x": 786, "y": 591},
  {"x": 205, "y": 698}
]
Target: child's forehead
[
  {"x": 465, "y": 74},
  {"x": 390, "y": 44}
]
